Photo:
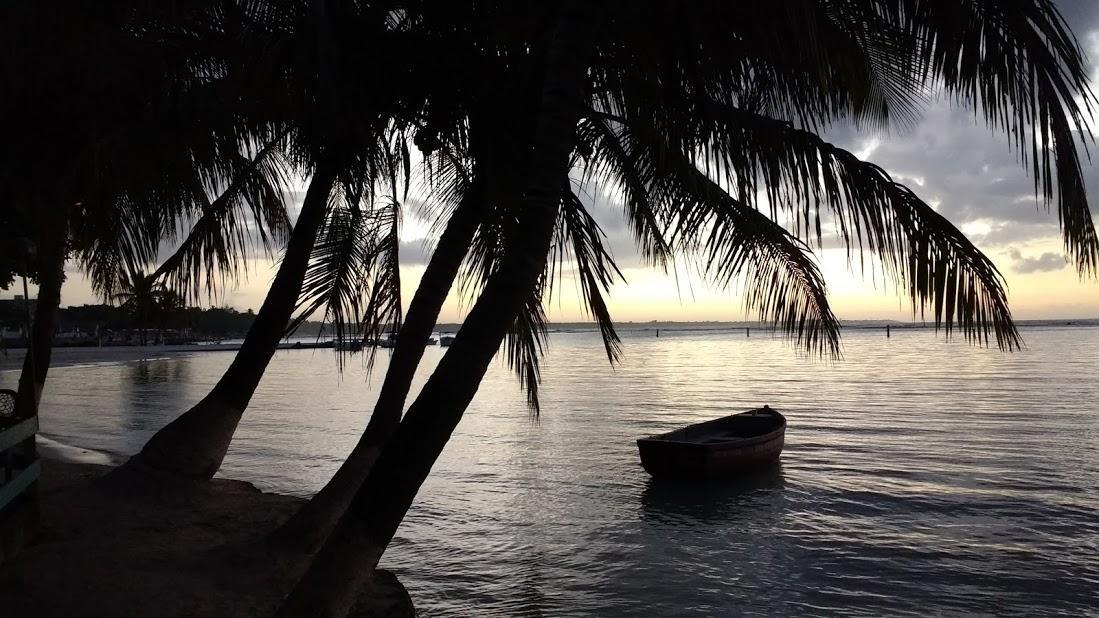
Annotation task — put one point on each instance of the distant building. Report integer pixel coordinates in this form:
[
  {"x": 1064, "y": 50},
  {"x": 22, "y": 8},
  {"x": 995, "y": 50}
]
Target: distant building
[{"x": 13, "y": 311}]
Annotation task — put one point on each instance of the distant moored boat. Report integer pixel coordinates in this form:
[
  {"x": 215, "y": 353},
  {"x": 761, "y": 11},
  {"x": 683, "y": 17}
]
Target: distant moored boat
[
  {"x": 719, "y": 448},
  {"x": 348, "y": 345},
  {"x": 446, "y": 340}
]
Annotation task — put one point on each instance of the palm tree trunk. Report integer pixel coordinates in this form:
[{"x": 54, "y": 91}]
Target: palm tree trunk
[
  {"x": 351, "y": 554},
  {"x": 52, "y": 252},
  {"x": 312, "y": 523},
  {"x": 194, "y": 445}
]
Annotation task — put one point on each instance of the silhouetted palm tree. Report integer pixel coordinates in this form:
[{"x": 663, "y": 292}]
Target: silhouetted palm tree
[
  {"x": 704, "y": 115},
  {"x": 142, "y": 296},
  {"x": 170, "y": 308},
  {"x": 116, "y": 142},
  {"x": 314, "y": 73}
]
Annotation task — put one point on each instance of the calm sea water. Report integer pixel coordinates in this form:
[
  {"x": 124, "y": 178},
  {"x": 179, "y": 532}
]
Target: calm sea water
[{"x": 919, "y": 477}]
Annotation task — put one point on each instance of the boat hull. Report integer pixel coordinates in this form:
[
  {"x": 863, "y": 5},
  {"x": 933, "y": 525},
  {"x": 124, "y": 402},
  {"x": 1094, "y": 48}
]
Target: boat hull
[{"x": 672, "y": 455}]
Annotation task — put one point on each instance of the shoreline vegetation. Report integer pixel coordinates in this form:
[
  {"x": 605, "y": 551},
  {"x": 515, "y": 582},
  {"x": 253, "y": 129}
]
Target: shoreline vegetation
[
  {"x": 97, "y": 553},
  {"x": 117, "y": 326}
]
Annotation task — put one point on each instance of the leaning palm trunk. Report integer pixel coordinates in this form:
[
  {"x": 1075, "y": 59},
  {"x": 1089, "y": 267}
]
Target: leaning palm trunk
[
  {"x": 314, "y": 521},
  {"x": 52, "y": 252},
  {"x": 351, "y": 554},
  {"x": 194, "y": 445}
]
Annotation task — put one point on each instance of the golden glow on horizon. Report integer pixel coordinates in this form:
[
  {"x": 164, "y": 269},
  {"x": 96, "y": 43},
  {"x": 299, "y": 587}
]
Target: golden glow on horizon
[
  {"x": 652, "y": 295},
  {"x": 684, "y": 296}
]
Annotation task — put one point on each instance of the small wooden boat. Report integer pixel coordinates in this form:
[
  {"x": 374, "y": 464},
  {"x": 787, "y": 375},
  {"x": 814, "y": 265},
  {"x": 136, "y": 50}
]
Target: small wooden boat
[
  {"x": 446, "y": 340},
  {"x": 722, "y": 447}
]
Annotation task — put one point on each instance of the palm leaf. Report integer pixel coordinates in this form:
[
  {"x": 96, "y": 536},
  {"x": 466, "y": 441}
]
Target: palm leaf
[
  {"x": 525, "y": 343},
  {"x": 384, "y": 312},
  {"x": 1018, "y": 65},
  {"x": 337, "y": 273},
  {"x": 783, "y": 285},
  {"x": 580, "y": 240},
  {"x": 250, "y": 211}
]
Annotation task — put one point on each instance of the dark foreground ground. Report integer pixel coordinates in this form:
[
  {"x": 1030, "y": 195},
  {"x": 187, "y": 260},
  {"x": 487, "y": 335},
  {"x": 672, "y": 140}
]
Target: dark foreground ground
[{"x": 196, "y": 554}]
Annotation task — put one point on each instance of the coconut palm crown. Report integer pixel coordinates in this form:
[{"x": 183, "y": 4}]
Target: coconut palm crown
[{"x": 708, "y": 133}]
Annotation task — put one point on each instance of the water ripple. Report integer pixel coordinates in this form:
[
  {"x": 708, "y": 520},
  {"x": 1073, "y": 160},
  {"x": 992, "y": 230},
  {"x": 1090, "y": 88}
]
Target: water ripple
[{"x": 920, "y": 477}]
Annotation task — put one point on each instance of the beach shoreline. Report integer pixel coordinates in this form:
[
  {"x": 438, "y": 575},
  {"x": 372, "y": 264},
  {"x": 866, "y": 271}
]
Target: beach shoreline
[{"x": 98, "y": 553}]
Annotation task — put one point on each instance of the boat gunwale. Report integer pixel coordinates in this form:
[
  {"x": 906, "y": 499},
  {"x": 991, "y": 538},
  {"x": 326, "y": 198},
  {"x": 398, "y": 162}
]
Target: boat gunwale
[{"x": 734, "y": 443}]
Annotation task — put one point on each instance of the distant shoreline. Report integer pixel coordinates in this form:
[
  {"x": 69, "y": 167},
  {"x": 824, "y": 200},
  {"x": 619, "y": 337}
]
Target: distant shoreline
[
  {"x": 716, "y": 325},
  {"x": 11, "y": 358}
]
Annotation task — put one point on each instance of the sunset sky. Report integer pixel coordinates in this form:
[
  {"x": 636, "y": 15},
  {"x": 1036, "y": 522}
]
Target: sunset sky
[{"x": 950, "y": 159}]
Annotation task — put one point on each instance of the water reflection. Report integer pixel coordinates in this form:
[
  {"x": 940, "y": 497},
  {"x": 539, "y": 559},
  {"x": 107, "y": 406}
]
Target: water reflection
[
  {"x": 919, "y": 476},
  {"x": 684, "y": 502},
  {"x": 160, "y": 371},
  {"x": 154, "y": 389}
]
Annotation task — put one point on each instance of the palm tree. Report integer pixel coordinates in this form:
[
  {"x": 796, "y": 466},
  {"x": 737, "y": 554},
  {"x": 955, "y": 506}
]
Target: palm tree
[
  {"x": 482, "y": 333},
  {"x": 705, "y": 124},
  {"x": 116, "y": 142},
  {"x": 170, "y": 309},
  {"x": 311, "y": 524},
  {"x": 141, "y": 295},
  {"x": 349, "y": 138}
]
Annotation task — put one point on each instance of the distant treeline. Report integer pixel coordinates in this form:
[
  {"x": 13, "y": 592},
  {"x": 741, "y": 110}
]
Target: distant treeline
[{"x": 213, "y": 322}]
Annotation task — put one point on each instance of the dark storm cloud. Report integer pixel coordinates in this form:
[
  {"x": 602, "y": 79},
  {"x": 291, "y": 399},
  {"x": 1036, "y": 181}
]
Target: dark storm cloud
[{"x": 1046, "y": 262}]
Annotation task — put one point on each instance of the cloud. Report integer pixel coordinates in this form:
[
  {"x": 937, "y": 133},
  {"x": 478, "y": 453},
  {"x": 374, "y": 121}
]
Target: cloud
[
  {"x": 1081, "y": 15},
  {"x": 1007, "y": 233},
  {"x": 1044, "y": 263},
  {"x": 969, "y": 173},
  {"x": 415, "y": 252},
  {"x": 952, "y": 160}
]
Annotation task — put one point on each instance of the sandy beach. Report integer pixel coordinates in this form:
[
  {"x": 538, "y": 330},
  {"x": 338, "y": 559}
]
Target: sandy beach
[{"x": 195, "y": 553}]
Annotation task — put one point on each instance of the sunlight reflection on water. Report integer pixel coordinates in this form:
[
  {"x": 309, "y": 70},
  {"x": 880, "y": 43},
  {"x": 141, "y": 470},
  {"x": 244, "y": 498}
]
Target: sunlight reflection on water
[{"x": 919, "y": 476}]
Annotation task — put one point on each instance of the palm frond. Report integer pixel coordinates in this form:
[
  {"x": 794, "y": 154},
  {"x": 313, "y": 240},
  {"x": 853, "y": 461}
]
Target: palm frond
[
  {"x": 922, "y": 252},
  {"x": 384, "y": 312},
  {"x": 606, "y": 160},
  {"x": 782, "y": 283},
  {"x": 113, "y": 242},
  {"x": 577, "y": 239},
  {"x": 526, "y": 342},
  {"x": 1018, "y": 66},
  {"x": 354, "y": 274},
  {"x": 580, "y": 239},
  {"x": 249, "y": 212},
  {"x": 337, "y": 273}
]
